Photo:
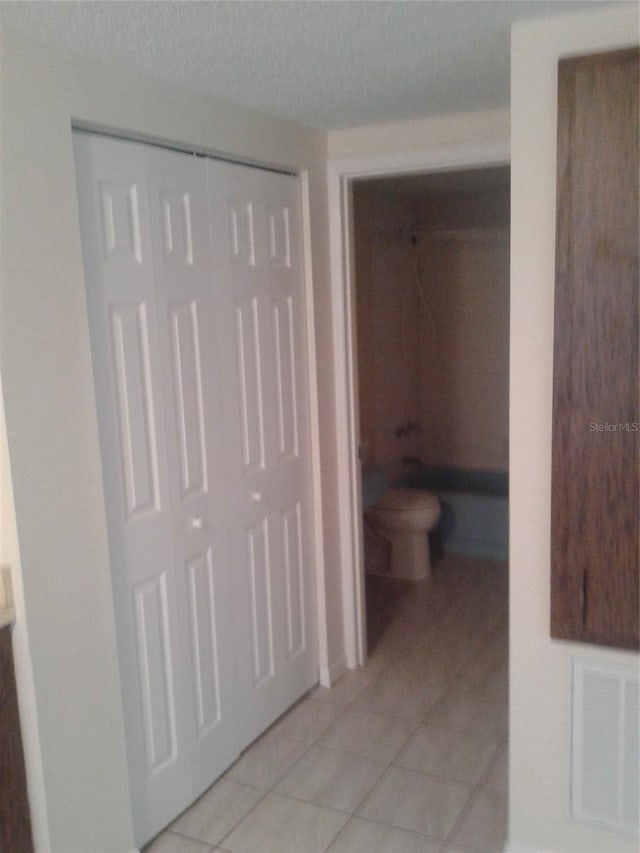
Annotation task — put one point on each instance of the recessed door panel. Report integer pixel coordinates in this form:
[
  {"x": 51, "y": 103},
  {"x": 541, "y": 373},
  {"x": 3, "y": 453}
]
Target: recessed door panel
[
  {"x": 242, "y": 233},
  {"x": 204, "y": 638},
  {"x": 279, "y": 235},
  {"x": 286, "y": 404},
  {"x": 260, "y": 604},
  {"x": 187, "y": 376},
  {"x": 156, "y": 676},
  {"x": 248, "y": 349},
  {"x": 176, "y": 226},
  {"x": 294, "y": 580},
  {"x": 120, "y": 221},
  {"x": 138, "y": 452}
]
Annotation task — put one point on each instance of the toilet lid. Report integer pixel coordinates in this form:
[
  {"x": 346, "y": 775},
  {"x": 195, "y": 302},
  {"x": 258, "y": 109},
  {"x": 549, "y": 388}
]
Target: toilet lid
[{"x": 406, "y": 499}]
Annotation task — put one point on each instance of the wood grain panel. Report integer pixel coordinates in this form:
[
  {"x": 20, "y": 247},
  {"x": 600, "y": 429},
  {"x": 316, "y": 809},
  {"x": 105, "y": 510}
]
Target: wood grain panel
[
  {"x": 596, "y": 449},
  {"x": 15, "y": 826}
]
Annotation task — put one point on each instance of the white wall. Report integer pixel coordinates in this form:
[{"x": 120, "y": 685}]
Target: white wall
[
  {"x": 539, "y": 669},
  {"x": 73, "y": 726},
  {"x": 388, "y": 322},
  {"x": 432, "y": 327},
  {"x": 464, "y": 349},
  {"x": 419, "y": 134}
]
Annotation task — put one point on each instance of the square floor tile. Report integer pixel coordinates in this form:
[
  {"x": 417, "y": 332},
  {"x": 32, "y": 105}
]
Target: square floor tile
[
  {"x": 416, "y": 802},
  {"x": 435, "y": 673},
  {"x": 459, "y": 755},
  {"x": 485, "y": 825},
  {"x": 460, "y": 709},
  {"x": 307, "y": 720},
  {"x": 374, "y": 736},
  {"x": 365, "y": 836},
  {"x": 217, "y": 811},
  {"x": 498, "y": 776},
  {"x": 339, "y": 780},
  {"x": 396, "y": 698},
  {"x": 169, "y": 842},
  {"x": 487, "y": 675},
  {"x": 266, "y": 761},
  {"x": 282, "y": 825}
]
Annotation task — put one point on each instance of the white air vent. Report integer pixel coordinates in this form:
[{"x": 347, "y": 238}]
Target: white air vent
[{"x": 605, "y": 763}]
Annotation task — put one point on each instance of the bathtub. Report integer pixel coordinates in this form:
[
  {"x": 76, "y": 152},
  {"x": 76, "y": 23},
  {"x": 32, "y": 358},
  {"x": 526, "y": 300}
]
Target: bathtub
[{"x": 475, "y": 509}]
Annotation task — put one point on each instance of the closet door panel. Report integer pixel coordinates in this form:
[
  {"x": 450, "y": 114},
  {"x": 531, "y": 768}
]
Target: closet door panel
[
  {"x": 285, "y": 369},
  {"x": 192, "y": 363},
  {"x": 197, "y": 319},
  {"x": 248, "y": 334},
  {"x": 118, "y": 259},
  {"x": 291, "y": 480},
  {"x": 256, "y": 245}
]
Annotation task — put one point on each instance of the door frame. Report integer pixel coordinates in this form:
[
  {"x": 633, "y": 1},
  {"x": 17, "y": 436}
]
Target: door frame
[{"x": 341, "y": 172}]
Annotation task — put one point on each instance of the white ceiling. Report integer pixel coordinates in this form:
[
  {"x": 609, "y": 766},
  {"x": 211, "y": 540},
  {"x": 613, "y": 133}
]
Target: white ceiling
[{"x": 325, "y": 64}]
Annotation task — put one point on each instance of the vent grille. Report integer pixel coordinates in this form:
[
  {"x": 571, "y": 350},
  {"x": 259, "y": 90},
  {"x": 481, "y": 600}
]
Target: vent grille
[{"x": 605, "y": 764}]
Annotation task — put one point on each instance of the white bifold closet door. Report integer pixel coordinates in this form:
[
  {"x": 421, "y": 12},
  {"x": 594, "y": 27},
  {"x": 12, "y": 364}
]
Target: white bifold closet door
[
  {"x": 197, "y": 319},
  {"x": 255, "y": 230}
]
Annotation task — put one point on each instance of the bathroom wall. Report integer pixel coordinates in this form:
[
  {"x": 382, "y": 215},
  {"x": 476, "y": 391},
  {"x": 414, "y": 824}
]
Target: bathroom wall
[
  {"x": 434, "y": 355},
  {"x": 388, "y": 323},
  {"x": 464, "y": 330}
]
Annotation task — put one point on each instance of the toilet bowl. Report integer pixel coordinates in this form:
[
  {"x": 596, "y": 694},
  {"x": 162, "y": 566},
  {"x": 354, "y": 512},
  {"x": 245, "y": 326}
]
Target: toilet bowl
[{"x": 404, "y": 517}]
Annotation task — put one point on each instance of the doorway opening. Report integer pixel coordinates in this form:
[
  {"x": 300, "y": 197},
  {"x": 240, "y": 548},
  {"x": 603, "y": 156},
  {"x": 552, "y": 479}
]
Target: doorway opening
[
  {"x": 431, "y": 296},
  {"x": 433, "y": 652},
  {"x": 342, "y": 175},
  {"x": 437, "y": 657}
]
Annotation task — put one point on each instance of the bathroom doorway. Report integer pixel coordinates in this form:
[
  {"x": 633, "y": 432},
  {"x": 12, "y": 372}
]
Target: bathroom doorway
[
  {"x": 342, "y": 174},
  {"x": 429, "y": 409},
  {"x": 431, "y": 296}
]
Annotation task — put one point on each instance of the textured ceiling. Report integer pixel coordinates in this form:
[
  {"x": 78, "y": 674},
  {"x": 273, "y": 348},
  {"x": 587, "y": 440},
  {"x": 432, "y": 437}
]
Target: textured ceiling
[{"x": 326, "y": 64}]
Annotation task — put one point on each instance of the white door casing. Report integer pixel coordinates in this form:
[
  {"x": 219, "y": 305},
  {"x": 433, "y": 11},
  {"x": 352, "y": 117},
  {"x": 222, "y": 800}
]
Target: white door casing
[{"x": 213, "y": 592}]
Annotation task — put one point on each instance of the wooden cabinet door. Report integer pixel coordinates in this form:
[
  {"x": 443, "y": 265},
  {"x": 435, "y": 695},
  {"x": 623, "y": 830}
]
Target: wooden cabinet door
[{"x": 595, "y": 477}]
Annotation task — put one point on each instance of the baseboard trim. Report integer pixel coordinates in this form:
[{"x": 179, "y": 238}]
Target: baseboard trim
[
  {"x": 518, "y": 847},
  {"x": 329, "y": 674}
]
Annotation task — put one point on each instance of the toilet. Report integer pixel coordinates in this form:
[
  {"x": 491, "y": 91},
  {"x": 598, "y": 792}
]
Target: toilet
[{"x": 404, "y": 517}]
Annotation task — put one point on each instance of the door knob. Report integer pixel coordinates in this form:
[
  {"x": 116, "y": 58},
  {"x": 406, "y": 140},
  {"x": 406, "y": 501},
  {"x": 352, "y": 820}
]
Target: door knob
[{"x": 197, "y": 522}]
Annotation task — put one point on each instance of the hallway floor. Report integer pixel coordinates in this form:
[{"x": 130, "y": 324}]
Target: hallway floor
[{"x": 408, "y": 754}]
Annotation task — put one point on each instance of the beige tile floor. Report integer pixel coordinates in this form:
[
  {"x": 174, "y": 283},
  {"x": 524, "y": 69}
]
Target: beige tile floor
[{"x": 408, "y": 754}]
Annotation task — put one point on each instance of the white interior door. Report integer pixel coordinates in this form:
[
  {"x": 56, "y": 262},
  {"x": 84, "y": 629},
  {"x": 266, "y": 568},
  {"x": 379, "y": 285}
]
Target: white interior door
[
  {"x": 118, "y": 259},
  {"x": 147, "y": 257},
  {"x": 196, "y": 306},
  {"x": 192, "y": 365},
  {"x": 255, "y": 218}
]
